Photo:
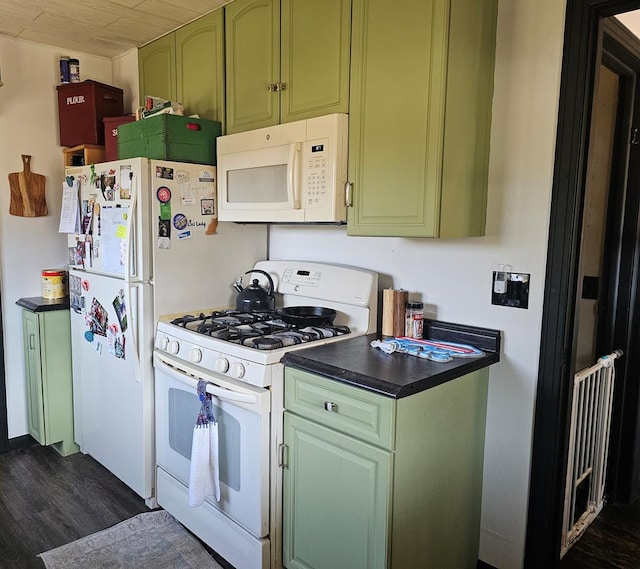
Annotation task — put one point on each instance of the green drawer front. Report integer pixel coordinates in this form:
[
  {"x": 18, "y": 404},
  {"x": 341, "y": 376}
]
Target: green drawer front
[
  {"x": 363, "y": 414},
  {"x": 170, "y": 137}
]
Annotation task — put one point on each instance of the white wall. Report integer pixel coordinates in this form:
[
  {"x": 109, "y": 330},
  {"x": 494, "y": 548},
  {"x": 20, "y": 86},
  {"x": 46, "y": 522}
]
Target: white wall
[
  {"x": 125, "y": 76},
  {"x": 29, "y": 125},
  {"x": 454, "y": 277}
]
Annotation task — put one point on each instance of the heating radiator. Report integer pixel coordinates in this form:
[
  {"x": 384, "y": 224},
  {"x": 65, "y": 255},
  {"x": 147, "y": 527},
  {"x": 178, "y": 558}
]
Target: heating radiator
[{"x": 588, "y": 447}]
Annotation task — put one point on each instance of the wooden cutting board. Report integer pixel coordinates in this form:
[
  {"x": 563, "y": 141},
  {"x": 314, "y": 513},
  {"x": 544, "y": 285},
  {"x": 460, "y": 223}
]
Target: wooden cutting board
[{"x": 27, "y": 191}]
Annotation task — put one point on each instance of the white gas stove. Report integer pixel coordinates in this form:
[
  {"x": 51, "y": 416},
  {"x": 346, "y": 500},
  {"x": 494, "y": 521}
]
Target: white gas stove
[
  {"x": 237, "y": 344},
  {"x": 238, "y": 354}
]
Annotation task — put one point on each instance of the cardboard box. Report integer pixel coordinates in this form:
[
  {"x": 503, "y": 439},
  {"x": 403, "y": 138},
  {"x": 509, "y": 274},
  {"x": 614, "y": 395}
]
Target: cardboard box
[
  {"x": 111, "y": 125},
  {"x": 170, "y": 137},
  {"x": 81, "y": 108}
]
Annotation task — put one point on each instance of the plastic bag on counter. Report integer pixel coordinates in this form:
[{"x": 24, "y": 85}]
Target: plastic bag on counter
[{"x": 434, "y": 350}]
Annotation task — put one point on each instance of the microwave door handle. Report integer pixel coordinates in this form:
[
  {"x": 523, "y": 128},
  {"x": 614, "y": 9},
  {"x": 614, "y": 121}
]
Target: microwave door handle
[{"x": 293, "y": 176}]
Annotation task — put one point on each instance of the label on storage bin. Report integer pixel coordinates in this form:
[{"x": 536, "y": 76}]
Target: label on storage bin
[{"x": 76, "y": 100}]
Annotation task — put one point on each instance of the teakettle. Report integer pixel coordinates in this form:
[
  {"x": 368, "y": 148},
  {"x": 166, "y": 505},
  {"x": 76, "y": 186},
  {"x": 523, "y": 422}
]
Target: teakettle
[{"x": 254, "y": 297}]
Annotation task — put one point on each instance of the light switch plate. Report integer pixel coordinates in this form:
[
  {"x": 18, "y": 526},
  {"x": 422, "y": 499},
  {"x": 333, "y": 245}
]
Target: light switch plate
[{"x": 516, "y": 294}]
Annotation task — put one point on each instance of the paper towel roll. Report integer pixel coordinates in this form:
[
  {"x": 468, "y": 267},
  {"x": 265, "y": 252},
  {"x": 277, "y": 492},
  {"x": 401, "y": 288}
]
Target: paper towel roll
[
  {"x": 400, "y": 298},
  {"x": 387, "y": 312},
  {"x": 393, "y": 311}
]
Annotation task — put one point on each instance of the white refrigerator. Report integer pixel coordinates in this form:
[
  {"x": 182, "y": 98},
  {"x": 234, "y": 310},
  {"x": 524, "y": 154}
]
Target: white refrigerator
[{"x": 145, "y": 244}]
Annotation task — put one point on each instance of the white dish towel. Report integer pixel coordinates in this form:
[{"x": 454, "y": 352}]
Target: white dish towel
[{"x": 204, "y": 474}]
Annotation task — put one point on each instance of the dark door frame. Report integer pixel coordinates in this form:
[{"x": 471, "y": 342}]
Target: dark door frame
[
  {"x": 620, "y": 308},
  {"x": 546, "y": 494}
]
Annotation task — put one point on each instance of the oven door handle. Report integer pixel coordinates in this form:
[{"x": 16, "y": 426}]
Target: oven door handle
[{"x": 219, "y": 392}]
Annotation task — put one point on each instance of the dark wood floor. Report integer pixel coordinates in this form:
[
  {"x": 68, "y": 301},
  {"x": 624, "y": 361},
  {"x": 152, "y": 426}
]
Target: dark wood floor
[
  {"x": 611, "y": 541},
  {"x": 47, "y": 500}
]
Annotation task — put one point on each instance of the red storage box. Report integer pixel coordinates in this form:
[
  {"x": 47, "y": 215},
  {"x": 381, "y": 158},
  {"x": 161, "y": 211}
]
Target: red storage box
[
  {"x": 111, "y": 125},
  {"x": 81, "y": 108}
]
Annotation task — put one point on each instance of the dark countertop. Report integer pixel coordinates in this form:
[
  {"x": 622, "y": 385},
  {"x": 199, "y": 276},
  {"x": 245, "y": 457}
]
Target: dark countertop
[
  {"x": 40, "y": 304},
  {"x": 397, "y": 375}
]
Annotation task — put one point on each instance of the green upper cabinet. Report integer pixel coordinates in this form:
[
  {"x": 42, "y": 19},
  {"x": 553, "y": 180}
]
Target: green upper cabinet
[
  {"x": 252, "y": 38},
  {"x": 200, "y": 66},
  {"x": 187, "y": 66},
  {"x": 420, "y": 116},
  {"x": 286, "y": 60},
  {"x": 157, "y": 69}
]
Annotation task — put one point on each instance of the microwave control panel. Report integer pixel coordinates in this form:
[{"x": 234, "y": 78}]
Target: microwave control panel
[{"x": 316, "y": 175}]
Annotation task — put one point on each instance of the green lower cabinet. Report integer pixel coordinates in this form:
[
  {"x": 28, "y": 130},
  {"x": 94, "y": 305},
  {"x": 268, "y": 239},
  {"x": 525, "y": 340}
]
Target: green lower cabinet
[
  {"x": 336, "y": 509},
  {"x": 47, "y": 345},
  {"x": 411, "y": 499}
]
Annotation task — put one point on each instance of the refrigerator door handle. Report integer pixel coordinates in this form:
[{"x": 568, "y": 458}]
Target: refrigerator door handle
[
  {"x": 131, "y": 252},
  {"x": 135, "y": 311}
]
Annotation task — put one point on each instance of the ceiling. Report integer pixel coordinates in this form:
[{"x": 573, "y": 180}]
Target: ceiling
[
  {"x": 631, "y": 20},
  {"x": 98, "y": 27}
]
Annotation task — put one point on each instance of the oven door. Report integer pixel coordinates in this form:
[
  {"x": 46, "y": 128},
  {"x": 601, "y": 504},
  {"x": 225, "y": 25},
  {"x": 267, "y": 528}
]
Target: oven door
[{"x": 243, "y": 414}]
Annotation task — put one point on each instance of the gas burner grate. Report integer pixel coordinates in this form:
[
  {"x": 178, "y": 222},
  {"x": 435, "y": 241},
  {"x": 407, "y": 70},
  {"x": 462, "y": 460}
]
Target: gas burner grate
[{"x": 259, "y": 330}]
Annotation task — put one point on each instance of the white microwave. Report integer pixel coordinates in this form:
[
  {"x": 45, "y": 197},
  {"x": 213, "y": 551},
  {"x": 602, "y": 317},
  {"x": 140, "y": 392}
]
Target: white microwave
[{"x": 289, "y": 173}]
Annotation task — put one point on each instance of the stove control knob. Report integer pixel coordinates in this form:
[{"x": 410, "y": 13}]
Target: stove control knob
[
  {"x": 173, "y": 347},
  {"x": 195, "y": 355},
  {"x": 222, "y": 365},
  {"x": 163, "y": 342},
  {"x": 237, "y": 370}
]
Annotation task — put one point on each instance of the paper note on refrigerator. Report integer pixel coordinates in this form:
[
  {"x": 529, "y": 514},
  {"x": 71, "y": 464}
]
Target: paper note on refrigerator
[
  {"x": 70, "y": 210},
  {"x": 114, "y": 222}
]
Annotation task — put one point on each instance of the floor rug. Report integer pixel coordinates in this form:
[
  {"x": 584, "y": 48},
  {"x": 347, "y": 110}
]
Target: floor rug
[{"x": 151, "y": 540}]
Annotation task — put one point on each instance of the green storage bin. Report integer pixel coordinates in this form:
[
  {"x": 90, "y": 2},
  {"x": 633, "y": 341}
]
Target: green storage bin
[{"x": 170, "y": 137}]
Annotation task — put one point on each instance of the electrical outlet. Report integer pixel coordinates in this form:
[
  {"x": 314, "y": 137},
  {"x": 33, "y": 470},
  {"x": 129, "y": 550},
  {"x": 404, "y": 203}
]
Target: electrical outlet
[{"x": 515, "y": 287}]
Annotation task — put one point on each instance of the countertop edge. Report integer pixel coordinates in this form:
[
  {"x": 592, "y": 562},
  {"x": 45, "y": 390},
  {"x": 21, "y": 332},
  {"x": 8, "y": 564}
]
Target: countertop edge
[
  {"x": 40, "y": 304},
  {"x": 298, "y": 361}
]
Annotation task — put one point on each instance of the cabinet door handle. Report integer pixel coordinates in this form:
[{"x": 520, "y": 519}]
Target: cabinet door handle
[
  {"x": 282, "y": 459},
  {"x": 330, "y": 406},
  {"x": 272, "y": 87},
  {"x": 282, "y": 86},
  {"x": 348, "y": 196},
  {"x": 32, "y": 342}
]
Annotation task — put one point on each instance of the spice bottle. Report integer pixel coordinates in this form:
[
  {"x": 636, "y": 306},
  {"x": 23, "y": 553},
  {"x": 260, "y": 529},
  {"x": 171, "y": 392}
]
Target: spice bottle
[
  {"x": 65, "y": 73},
  {"x": 74, "y": 70},
  {"x": 414, "y": 317}
]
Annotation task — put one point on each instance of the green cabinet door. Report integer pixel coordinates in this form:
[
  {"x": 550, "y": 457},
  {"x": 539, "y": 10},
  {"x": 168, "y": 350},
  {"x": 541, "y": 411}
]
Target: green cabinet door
[
  {"x": 420, "y": 108},
  {"x": 35, "y": 403},
  {"x": 200, "y": 66},
  {"x": 315, "y": 45},
  {"x": 336, "y": 499},
  {"x": 47, "y": 344},
  {"x": 157, "y": 69},
  {"x": 252, "y": 40},
  {"x": 286, "y": 60}
]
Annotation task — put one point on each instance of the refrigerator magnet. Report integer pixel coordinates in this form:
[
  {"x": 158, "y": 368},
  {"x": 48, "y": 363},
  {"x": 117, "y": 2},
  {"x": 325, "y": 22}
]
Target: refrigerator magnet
[
  {"x": 182, "y": 177},
  {"x": 163, "y": 194},
  {"x": 206, "y": 176},
  {"x": 164, "y": 233},
  {"x": 180, "y": 221},
  {"x": 207, "y": 206},
  {"x": 165, "y": 211},
  {"x": 164, "y": 172}
]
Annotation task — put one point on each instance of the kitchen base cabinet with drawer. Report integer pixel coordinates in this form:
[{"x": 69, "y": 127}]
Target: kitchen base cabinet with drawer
[
  {"x": 47, "y": 345},
  {"x": 373, "y": 482}
]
